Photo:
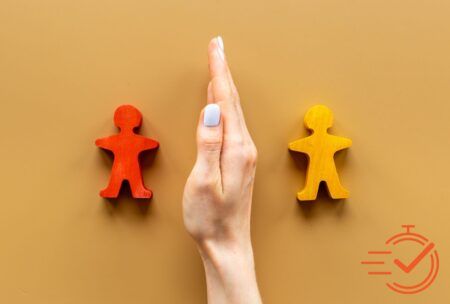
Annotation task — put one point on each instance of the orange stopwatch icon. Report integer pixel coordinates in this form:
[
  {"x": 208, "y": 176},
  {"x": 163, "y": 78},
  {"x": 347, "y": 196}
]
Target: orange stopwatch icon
[{"x": 410, "y": 276}]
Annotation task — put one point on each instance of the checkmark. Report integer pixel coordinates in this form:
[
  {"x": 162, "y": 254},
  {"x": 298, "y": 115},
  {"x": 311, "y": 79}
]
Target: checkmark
[{"x": 416, "y": 261}]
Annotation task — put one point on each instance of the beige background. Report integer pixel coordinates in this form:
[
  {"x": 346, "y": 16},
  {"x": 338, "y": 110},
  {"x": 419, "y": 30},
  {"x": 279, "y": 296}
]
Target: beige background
[{"x": 383, "y": 67}]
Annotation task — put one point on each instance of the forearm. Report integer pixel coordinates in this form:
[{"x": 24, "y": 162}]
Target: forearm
[{"x": 230, "y": 273}]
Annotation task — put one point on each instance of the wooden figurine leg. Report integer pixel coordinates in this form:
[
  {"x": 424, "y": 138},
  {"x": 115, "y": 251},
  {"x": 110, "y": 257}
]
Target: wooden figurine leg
[
  {"x": 138, "y": 189},
  {"x": 309, "y": 193},
  {"x": 113, "y": 189},
  {"x": 336, "y": 190}
]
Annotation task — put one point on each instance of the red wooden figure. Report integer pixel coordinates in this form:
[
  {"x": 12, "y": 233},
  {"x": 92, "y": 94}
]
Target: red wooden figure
[{"x": 126, "y": 147}]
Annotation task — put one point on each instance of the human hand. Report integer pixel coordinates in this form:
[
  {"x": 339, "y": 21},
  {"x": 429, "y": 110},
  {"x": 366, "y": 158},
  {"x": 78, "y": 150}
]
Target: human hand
[{"x": 218, "y": 193}]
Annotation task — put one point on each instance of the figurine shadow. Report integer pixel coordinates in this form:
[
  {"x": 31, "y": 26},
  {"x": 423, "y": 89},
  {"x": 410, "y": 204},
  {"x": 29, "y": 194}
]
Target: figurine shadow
[
  {"x": 324, "y": 203},
  {"x": 125, "y": 203}
]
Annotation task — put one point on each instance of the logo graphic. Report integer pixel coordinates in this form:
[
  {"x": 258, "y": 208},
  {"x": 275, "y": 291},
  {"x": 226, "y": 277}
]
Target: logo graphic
[{"x": 405, "y": 274}]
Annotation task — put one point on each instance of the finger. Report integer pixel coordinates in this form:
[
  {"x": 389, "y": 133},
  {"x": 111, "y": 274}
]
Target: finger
[
  {"x": 223, "y": 68},
  {"x": 210, "y": 94},
  {"x": 234, "y": 127},
  {"x": 234, "y": 91},
  {"x": 209, "y": 142},
  {"x": 218, "y": 71},
  {"x": 230, "y": 77}
]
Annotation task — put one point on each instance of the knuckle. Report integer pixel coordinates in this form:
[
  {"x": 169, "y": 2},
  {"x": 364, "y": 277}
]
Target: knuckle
[
  {"x": 243, "y": 150},
  {"x": 203, "y": 183},
  {"x": 210, "y": 143},
  {"x": 236, "y": 142},
  {"x": 250, "y": 154},
  {"x": 247, "y": 154},
  {"x": 254, "y": 153}
]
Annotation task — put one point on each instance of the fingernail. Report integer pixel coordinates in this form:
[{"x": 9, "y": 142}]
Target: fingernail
[
  {"x": 221, "y": 49},
  {"x": 211, "y": 115},
  {"x": 220, "y": 42}
]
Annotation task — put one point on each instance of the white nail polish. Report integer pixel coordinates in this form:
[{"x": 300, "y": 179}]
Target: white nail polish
[{"x": 211, "y": 115}]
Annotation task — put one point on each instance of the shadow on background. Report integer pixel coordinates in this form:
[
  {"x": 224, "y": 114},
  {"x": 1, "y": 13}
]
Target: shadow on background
[
  {"x": 323, "y": 204},
  {"x": 126, "y": 204}
]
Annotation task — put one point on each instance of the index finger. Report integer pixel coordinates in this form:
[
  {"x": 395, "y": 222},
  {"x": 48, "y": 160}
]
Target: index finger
[{"x": 224, "y": 91}]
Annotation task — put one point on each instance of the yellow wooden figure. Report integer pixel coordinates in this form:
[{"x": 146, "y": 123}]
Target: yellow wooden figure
[{"x": 320, "y": 148}]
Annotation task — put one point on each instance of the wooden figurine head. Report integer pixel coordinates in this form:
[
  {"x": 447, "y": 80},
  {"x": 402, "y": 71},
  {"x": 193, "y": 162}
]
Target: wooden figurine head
[
  {"x": 319, "y": 118},
  {"x": 127, "y": 117}
]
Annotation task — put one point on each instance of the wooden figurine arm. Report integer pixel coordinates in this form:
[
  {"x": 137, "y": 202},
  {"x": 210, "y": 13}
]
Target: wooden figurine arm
[
  {"x": 298, "y": 146},
  {"x": 104, "y": 143},
  {"x": 150, "y": 144},
  {"x": 343, "y": 143}
]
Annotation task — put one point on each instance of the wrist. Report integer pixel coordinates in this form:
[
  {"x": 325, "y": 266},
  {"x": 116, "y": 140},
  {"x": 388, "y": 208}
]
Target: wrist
[
  {"x": 220, "y": 252},
  {"x": 230, "y": 272}
]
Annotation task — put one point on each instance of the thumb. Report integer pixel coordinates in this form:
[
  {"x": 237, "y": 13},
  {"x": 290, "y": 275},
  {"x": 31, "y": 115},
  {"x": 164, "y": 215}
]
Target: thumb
[{"x": 209, "y": 139}]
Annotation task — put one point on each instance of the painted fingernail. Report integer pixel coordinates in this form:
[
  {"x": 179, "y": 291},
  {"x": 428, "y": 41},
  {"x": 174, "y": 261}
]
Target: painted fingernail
[
  {"x": 221, "y": 49},
  {"x": 211, "y": 115}
]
